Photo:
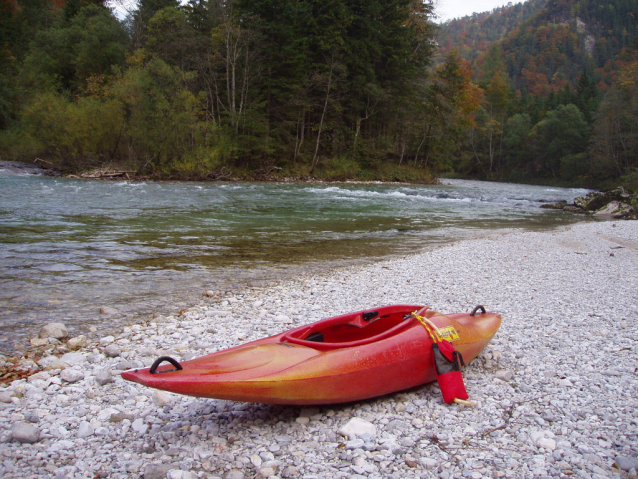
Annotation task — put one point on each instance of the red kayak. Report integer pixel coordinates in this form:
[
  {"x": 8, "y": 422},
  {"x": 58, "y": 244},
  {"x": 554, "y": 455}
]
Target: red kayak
[{"x": 341, "y": 359}]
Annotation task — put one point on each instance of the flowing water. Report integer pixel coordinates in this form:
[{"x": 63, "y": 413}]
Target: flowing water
[{"x": 69, "y": 247}]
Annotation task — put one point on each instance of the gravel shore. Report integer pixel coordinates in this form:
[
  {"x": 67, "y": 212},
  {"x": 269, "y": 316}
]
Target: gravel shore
[{"x": 556, "y": 390}]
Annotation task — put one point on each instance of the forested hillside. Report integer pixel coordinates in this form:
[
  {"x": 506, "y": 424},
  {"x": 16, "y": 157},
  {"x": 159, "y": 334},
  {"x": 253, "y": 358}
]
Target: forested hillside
[
  {"x": 473, "y": 35},
  {"x": 540, "y": 91},
  {"x": 551, "y": 87}
]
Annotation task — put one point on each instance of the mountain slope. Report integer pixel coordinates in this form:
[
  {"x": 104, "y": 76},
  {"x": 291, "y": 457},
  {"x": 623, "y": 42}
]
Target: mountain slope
[
  {"x": 544, "y": 45},
  {"x": 473, "y": 35},
  {"x": 566, "y": 38}
]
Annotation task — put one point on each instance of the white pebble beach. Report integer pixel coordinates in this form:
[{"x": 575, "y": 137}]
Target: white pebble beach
[{"x": 556, "y": 390}]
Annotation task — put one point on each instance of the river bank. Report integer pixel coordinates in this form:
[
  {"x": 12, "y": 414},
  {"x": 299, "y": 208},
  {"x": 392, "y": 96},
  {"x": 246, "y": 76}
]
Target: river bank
[
  {"x": 555, "y": 390},
  {"x": 399, "y": 174}
]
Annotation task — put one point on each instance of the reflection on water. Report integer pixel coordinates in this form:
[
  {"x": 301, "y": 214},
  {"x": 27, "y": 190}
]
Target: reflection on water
[{"x": 68, "y": 247}]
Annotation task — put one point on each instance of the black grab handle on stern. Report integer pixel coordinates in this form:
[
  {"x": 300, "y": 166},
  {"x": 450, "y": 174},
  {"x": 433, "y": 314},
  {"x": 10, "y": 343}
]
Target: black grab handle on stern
[
  {"x": 158, "y": 361},
  {"x": 479, "y": 307}
]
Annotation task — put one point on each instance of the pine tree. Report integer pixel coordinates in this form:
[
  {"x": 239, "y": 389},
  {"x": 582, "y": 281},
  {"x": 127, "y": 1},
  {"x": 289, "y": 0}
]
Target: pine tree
[
  {"x": 146, "y": 9},
  {"x": 587, "y": 96}
]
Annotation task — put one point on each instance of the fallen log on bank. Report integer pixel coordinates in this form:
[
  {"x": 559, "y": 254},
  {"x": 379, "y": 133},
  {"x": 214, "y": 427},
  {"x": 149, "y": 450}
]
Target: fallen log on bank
[{"x": 108, "y": 174}]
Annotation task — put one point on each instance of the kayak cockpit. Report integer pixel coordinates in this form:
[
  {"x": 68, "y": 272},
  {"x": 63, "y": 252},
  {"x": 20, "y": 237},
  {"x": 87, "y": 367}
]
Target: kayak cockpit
[{"x": 353, "y": 329}]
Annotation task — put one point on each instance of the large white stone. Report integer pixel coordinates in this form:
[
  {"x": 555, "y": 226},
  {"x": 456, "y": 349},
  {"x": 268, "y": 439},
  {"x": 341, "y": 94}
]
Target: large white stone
[
  {"x": 5, "y": 396},
  {"x": 547, "y": 443},
  {"x": 73, "y": 359},
  {"x": 614, "y": 209},
  {"x": 544, "y": 439},
  {"x": 112, "y": 351},
  {"x": 358, "y": 427},
  {"x": 626, "y": 463},
  {"x": 52, "y": 362},
  {"x": 77, "y": 342},
  {"x": 217, "y": 313},
  {"x": 53, "y": 330},
  {"x": 179, "y": 474},
  {"x": 39, "y": 342},
  {"x": 504, "y": 374},
  {"x": 63, "y": 445},
  {"x": 429, "y": 463},
  {"x": 106, "y": 340},
  {"x": 103, "y": 377},
  {"x": 160, "y": 398},
  {"x": 25, "y": 433},
  {"x": 156, "y": 471},
  {"x": 72, "y": 375},
  {"x": 85, "y": 430}
]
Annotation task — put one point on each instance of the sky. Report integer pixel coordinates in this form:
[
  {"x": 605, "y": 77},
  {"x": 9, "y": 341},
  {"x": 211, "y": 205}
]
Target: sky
[{"x": 449, "y": 9}]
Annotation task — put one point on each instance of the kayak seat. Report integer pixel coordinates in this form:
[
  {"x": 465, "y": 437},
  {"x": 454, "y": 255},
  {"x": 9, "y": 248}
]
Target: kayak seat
[
  {"x": 317, "y": 337},
  {"x": 351, "y": 330}
]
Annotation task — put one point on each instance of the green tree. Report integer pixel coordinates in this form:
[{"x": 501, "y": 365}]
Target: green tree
[
  {"x": 172, "y": 38},
  {"x": 615, "y": 140},
  {"x": 238, "y": 69},
  {"x": 20, "y": 24},
  {"x": 486, "y": 140},
  {"x": 74, "y": 133},
  {"x": 141, "y": 17},
  {"x": 562, "y": 133},
  {"x": 65, "y": 56},
  {"x": 163, "y": 123},
  {"x": 448, "y": 111},
  {"x": 492, "y": 64},
  {"x": 516, "y": 133},
  {"x": 587, "y": 96},
  {"x": 72, "y": 7}
]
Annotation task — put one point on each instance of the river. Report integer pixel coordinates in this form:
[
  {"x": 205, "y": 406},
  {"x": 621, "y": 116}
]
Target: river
[{"x": 69, "y": 247}]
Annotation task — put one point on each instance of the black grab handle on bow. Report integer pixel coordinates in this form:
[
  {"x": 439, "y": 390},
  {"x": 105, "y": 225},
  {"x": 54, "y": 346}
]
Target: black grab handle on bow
[
  {"x": 158, "y": 361},
  {"x": 479, "y": 307}
]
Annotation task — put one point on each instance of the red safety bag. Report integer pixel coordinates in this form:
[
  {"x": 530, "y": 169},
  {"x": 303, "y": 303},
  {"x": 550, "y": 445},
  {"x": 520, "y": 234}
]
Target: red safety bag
[{"x": 447, "y": 364}]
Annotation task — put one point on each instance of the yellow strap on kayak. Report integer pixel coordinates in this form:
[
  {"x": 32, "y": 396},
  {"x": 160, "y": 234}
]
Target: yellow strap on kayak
[{"x": 430, "y": 327}]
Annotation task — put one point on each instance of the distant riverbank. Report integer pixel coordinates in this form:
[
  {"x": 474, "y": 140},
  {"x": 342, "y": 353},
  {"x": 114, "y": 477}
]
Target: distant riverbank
[{"x": 400, "y": 174}]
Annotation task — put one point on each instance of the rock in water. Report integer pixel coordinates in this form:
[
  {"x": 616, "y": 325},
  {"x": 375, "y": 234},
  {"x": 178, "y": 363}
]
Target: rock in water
[
  {"x": 615, "y": 209},
  {"x": 53, "y": 330}
]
